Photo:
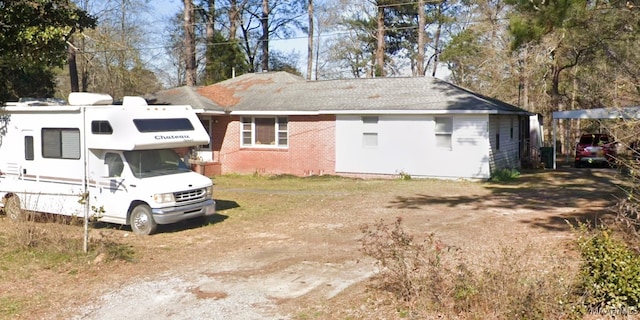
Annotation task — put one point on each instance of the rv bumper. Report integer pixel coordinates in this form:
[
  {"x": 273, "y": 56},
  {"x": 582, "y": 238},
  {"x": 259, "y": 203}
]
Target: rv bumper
[{"x": 175, "y": 214}]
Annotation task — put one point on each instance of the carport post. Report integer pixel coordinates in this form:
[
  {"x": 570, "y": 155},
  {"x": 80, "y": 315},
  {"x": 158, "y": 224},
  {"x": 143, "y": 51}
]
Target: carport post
[{"x": 554, "y": 142}]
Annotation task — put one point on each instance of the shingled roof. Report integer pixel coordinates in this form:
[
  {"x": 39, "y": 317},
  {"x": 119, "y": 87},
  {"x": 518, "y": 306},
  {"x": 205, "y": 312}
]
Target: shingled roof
[{"x": 283, "y": 92}]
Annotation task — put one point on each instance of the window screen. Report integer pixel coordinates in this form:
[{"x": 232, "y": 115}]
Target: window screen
[
  {"x": 265, "y": 131},
  {"x": 61, "y": 143},
  {"x": 370, "y": 119},
  {"x": 28, "y": 148},
  {"x": 370, "y": 139},
  {"x": 444, "y": 131},
  {"x": 101, "y": 127}
]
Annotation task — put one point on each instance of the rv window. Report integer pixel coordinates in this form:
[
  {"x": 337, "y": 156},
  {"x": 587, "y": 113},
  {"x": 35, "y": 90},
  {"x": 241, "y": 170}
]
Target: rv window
[
  {"x": 61, "y": 143},
  {"x": 28, "y": 147},
  {"x": 161, "y": 125},
  {"x": 114, "y": 164},
  {"x": 152, "y": 163},
  {"x": 101, "y": 127}
]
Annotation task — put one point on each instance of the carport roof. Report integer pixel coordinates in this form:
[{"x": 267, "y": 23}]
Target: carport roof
[{"x": 599, "y": 113}]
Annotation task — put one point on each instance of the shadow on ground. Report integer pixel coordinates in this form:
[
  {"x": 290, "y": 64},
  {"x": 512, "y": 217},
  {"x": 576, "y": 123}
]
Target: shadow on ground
[
  {"x": 582, "y": 195},
  {"x": 199, "y": 222}
]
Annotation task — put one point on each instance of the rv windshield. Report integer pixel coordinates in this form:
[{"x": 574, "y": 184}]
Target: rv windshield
[{"x": 152, "y": 163}]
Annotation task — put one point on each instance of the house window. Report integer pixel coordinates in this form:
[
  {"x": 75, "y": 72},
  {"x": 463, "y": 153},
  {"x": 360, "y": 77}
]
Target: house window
[
  {"x": 444, "y": 131},
  {"x": 101, "y": 127},
  {"x": 370, "y": 131},
  {"x": 370, "y": 120},
  {"x": 28, "y": 148},
  {"x": 265, "y": 131},
  {"x": 61, "y": 143},
  {"x": 497, "y": 140},
  {"x": 370, "y": 139}
]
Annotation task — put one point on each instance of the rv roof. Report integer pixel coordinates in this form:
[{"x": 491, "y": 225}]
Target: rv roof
[{"x": 89, "y": 99}]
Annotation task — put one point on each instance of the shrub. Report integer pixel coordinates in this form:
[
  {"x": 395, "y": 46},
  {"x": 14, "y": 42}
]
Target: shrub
[
  {"x": 428, "y": 278},
  {"x": 407, "y": 267},
  {"x": 505, "y": 175},
  {"x": 610, "y": 273}
]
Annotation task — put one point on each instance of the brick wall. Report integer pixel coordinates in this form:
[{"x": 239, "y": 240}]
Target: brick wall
[{"x": 311, "y": 148}]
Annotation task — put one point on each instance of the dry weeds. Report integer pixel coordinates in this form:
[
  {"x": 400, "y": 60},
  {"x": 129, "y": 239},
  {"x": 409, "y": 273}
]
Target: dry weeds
[{"x": 266, "y": 224}]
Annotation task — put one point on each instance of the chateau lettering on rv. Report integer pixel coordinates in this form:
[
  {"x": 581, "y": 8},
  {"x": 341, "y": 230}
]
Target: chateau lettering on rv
[{"x": 185, "y": 136}]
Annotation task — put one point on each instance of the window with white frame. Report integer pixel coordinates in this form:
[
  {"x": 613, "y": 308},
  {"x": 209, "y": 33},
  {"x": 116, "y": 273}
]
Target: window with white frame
[
  {"x": 61, "y": 143},
  {"x": 370, "y": 131},
  {"x": 444, "y": 131},
  {"x": 265, "y": 131}
]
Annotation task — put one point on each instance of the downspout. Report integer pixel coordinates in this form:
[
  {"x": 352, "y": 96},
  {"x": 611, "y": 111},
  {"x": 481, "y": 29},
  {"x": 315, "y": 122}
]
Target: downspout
[{"x": 554, "y": 121}]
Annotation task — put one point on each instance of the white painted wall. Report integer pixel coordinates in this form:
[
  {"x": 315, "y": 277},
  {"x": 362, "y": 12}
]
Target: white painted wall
[
  {"x": 406, "y": 143},
  {"x": 507, "y": 156}
]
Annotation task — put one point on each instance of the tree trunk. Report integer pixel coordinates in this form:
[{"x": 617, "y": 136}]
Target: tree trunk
[
  {"x": 421, "y": 38},
  {"x": 264, "y": 21},
  {"x": 73, "y": 68},
  {"x": 234, "y": 11},
  {"x": 210, "y": 15},
  {"x": 310, "y": 41},
  {"x": 189, "y": 43},
  {"x": 436, "y": 43},
  {"x": 379, "y": 67}
]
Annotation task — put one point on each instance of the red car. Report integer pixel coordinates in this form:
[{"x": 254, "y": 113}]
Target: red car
[{"x": 595, "y": 148}]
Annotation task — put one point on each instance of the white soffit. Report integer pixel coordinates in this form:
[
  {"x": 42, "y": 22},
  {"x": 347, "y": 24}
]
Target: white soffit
[{"x": 599, "y": 113}]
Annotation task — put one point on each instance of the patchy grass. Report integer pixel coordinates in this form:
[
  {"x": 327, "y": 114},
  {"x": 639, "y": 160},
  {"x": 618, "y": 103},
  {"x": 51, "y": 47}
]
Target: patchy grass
[
  {"x": 36, "y": 254},
  {"x": 505, "y": 244}
]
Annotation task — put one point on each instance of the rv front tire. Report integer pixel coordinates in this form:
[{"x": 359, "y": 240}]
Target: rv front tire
[{"x": 141, "y": 220}]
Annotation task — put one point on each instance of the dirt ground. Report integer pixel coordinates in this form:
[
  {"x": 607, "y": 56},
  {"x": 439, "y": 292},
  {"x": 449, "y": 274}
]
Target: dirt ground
[{"x": 303, "y": 261}]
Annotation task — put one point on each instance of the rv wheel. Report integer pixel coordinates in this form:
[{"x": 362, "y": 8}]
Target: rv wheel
[
  {"x": 12, "y": 207},
  {"x": 141, "y": 220}
]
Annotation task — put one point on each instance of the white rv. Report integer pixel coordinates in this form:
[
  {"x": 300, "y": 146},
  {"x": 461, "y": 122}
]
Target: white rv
[{"x": 122, "y": 156}]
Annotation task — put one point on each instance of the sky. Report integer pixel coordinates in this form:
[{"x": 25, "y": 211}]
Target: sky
[
  {"x": 167, "y": 8},
  {"x": 163, "y": 10}
]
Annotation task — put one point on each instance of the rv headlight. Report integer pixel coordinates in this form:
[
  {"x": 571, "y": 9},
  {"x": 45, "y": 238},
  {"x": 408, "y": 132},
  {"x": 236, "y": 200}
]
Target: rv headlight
[
  {"x": 163, "y": 197},
  {"x": 209, "y": 192}
]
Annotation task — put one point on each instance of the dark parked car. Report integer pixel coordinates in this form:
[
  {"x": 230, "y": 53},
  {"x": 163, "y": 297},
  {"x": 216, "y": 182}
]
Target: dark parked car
[{"x": 595, "y": 148}]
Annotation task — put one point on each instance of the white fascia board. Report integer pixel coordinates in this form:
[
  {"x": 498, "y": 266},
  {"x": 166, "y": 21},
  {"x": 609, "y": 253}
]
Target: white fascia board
[
  {"x": 408, "y": 112},
  {"x": 275, "y": 113},
  {"x": 209, "y": 112},
  {"x": 599, "y": 113},
  {"x": 343, "y": 112}
]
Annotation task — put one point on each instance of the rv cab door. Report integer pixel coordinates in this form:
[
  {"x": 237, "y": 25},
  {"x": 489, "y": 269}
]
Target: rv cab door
[{"x": 111, "y": 194}]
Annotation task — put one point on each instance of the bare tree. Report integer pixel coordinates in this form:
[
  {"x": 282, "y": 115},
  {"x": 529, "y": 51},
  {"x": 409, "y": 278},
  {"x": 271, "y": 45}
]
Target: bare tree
[
  {"x": 310, "y": 41},
  {"x": 264, "y": 39},
  {"x": 190, "y": 42},
  {"x": 380, "y": 31},
  {"x": 421, "y": 38}
]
